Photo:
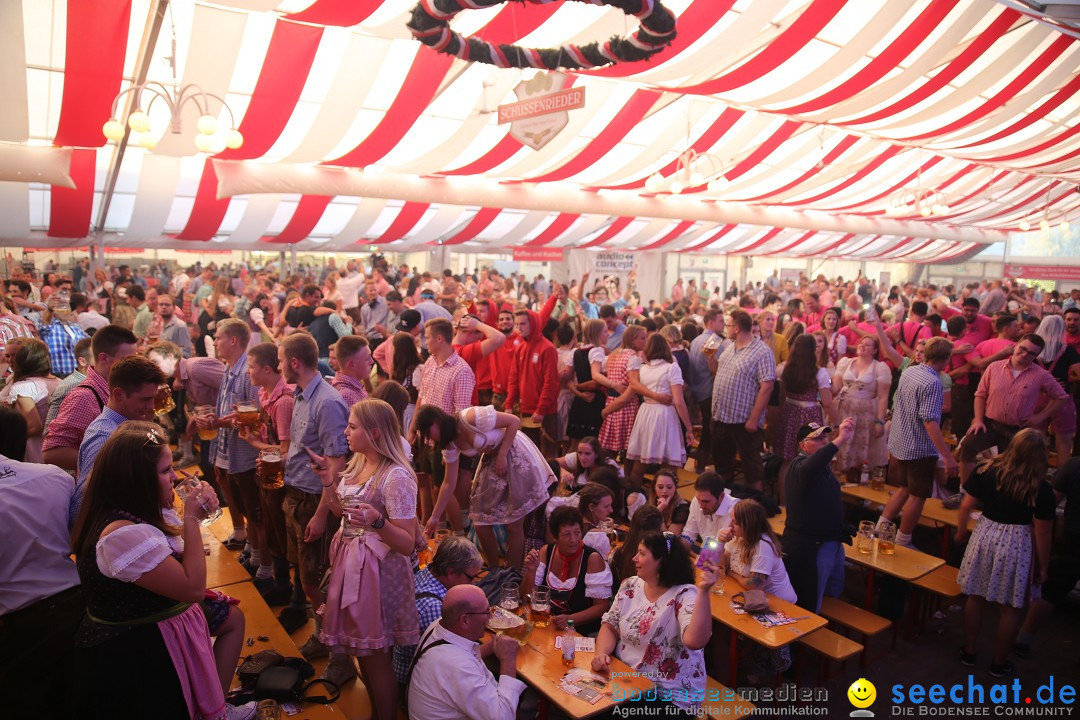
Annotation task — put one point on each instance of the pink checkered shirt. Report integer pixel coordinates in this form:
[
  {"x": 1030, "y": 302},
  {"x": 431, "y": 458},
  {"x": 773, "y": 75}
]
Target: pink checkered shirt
[
  {"x": 449, "y": 386},
  {"x": 80, "y": 407},
  {"x": 352, "y": 390}
]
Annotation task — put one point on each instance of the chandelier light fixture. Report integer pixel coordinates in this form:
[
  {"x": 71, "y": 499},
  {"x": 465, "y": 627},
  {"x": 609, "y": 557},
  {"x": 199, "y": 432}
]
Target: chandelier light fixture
[
  {"x": 211, "y": 138},
  {"x": 924, "y": 203},
  {"x": 692, "y": 169}
]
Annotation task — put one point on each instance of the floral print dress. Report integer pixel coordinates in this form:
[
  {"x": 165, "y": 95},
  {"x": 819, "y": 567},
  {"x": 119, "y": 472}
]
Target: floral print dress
[{"x": 650, "y": 640}]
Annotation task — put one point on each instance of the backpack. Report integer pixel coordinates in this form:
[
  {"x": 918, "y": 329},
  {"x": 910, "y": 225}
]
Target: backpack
[{"x": 268, "y": 675}]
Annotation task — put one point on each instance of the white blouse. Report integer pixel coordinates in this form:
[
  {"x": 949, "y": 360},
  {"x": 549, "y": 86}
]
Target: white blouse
[{"x": 131, "y": 551}]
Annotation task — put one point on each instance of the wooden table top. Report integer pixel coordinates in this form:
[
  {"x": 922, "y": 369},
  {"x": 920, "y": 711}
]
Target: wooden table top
[
  {"x": 905, "y": 563},
  {"x": 222, "y": 567},
  {"x": 933, "y": 509},
  {"x": 746, "y": 625},
  {"x": 540, "y": 665},
  {"x": 260, "y": 620}
]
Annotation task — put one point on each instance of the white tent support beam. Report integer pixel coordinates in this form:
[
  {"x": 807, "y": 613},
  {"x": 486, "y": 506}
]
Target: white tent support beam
[{"x": 244, "y": 178}]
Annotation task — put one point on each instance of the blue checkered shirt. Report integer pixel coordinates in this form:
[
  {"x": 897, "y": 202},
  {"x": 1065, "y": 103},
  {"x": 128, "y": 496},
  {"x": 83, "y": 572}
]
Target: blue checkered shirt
[
  {"x": 429, "y": 608},
  {"x": 918, "y": 399},
  {"x": 61, "y": 338},
  {"x": 229, "y": 451},
  {"x": 739, "y": 374}
]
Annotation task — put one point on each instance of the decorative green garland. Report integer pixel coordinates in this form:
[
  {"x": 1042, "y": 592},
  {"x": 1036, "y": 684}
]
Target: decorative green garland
[{"x": 430, "y": 24}]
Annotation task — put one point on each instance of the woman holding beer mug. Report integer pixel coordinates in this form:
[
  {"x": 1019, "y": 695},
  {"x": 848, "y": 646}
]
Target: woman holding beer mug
[
  {"x": 144, "y": 647},
  {"x": 370, "y": 574},
  {"x": 659, "y": 622}
]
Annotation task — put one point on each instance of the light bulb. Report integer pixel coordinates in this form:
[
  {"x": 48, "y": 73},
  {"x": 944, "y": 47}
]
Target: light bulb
[
  {"x": 925, "y": 211},
  {"x": 654, "y": 182},
  {"x": 945, "y": 209},
  {"x": 146, "y": 140},
  {"x": 113, "y": 130},
  {"x": 1044, "y": 225},
  {"x": 204, "y": 143},
  {"x": 217, "y": 144},
  {"x": 677, "y": 186},
  {"x": 1025, "y": 226},
  {"x": 207, "y": 124},
  {"x": 1064, "y": 226},
  {"x": 139, "y": 121},
  {"x": 233, "y": 139}
]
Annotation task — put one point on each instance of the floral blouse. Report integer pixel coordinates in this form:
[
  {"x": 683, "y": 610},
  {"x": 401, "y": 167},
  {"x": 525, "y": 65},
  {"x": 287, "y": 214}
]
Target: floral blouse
[{"x": 650, "y": 640}]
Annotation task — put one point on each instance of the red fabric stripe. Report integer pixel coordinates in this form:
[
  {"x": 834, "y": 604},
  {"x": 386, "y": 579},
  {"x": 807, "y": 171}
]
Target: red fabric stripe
[
  {"x": 70, "y": 208},
  {"x": 340, "y": 13},
  {"x": 829, "y": 158},
  {"x": 914, "y": 250},
  {"x": 558, "y": 226},
  {"x": 710, "y": 137},
  {"x": 1033, "y": 198},
  {"x": 955, "y": 256},
  {"x": 881, "y": 65},
  {"x": 303, "y": 220},
  {"x": 854, "y": 250},
  {"x": 825, "y": 249},
  {"x": 1039, "y": 113},
  {"x": 427, "y": 72},
  {"x": 870, "y": 167},
  {"x": 789, "y": 42},
  {"x": 960, "y": 63},
  {"x": 978, "y": 192},
  {"x": 410, "y": 214},
  {"x": 669, "y": 237},
  {"x": 284, "y": 72},
  {"x": 1061, "y": 159},
  {"x": 711, "y": 239},
  {"x": 632, "y": 113},
  {"x": 940, "y": 188},
  {"x": 480, "y": 221},
  {"x": 1020, "y": 82},
  {"x": 760, "y": 241},
  {"x": 613, "y": 229},
  {"x": 764, "y": 150},
  {"x": 890, "y": 190},
  {"x": 895, "y": 247},
  {"x": 94, "y": 63},
  {"x": 516, "y": 20},
  {"x": 694, "y": 22},
  {"x": 801, "y": 239},
  {"x": 1056, "y": 140}
]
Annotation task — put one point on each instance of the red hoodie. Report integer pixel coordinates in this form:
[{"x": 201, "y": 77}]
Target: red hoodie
[
  {"x": 473, "y": 355},
  {"x": 534, "y": 374}
]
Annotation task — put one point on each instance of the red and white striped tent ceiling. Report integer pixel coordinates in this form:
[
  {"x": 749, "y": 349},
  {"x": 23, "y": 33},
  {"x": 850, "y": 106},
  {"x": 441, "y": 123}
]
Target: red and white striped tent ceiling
[{"x": 818, "y": 110}]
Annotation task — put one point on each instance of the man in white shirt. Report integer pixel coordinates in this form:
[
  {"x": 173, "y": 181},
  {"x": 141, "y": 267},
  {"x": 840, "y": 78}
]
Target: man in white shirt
[
  {"x": 349, "y": 286},
  {"x": 448, "y": 679},
  {"x": 710, "y": 510}
]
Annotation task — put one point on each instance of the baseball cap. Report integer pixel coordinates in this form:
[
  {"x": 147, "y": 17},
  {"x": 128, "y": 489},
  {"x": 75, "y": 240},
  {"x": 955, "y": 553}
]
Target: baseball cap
[
  {"x": 812, "y": 430},
  {"x": 409, "y": 320}
]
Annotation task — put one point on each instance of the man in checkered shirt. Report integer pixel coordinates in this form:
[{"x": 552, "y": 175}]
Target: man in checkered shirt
[{"x": 744, "y": 376}]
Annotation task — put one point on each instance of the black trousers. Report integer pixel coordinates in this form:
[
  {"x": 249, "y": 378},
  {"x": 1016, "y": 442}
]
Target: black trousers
[{"x": 729, "y": 438}]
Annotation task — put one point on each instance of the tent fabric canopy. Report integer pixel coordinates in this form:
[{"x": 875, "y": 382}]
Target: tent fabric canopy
[{"x": 828, "y": 106}]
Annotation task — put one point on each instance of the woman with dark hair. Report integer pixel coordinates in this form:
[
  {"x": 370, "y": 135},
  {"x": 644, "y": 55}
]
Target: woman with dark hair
[
  {"x": 29, "y": 389},
  {"x": 579, "y": 579},
  {"x": 144, "y": 646},
  {"x": 577, "y": 466},
  {"x": 510, "y": 482},
  {"x": 647, "y": 519},
  {"x": 407, "y": 370},
  {"x": 659, "y": 622},
  {"x": 657, "y": 438},
  {"x": 861, "y": 385},
  {"x": 621, "y": 408},
  {"x": 1009, "y": 551},
  {"x": 589, "y": 362},
  {"x": 835, "y": 343},
  {"x": 674, "y": 507},
  {"x": 805, "y": 391}
]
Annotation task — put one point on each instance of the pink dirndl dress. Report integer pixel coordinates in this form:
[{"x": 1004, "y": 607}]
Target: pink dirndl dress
[
  {"x": 615, "y": 431},
  {"x": 364, "y": 611}
]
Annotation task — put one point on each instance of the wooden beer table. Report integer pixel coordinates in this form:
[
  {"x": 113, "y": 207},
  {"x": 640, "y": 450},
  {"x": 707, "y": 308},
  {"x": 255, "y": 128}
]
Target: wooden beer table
[
  {"x": 222, "y": 567},
  {"x": 904, "y": 563},
  {"x": 539, "y": 664},
  {"x": 933, "y": 509},
  {"x": 745, "y": 624}
]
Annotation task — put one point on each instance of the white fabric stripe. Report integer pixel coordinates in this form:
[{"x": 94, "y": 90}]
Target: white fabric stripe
[
  {"x": 936, "y": 107},
  {"x": 158, "y": 178},
  {"x": 257, "y": 216},
  {"x": 250, "y": 5},
  {"x": 650, "y": 233},
  {"x": 923, "y": 61},
  {"x": 581, "y": 229},
  {"x": 690, "y": 237},
  {"x": 14, "y": 112},
  {"x": 519, "y": 232},
  {"x": 15, "y": 210},
  {"x": 444, "y": 219},
  {"x": 344, "y": 100},
  {"x": 842, "y": 64},
  {"x": 849, "y": 164},
  {"x": 216, "y": 36},
  {"x": 367, "y": 212},
  {"x": 803, "y": 144}
]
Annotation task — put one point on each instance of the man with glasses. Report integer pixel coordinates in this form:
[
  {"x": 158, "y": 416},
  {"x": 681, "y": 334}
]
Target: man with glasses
[
  {"x": 456, "y": 562},
  {"x": 1006, "y": 399},
  {"x": 448, "y": 678}
]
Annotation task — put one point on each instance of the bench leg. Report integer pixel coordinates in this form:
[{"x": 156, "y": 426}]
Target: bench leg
[{"x": 733, "y": 660}]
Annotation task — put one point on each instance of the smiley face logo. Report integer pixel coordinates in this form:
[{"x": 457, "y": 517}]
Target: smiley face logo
[{"x": 862, "y": 694}]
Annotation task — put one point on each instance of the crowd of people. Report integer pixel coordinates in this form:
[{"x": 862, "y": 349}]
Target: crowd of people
[{"x": 520, "y": 418}]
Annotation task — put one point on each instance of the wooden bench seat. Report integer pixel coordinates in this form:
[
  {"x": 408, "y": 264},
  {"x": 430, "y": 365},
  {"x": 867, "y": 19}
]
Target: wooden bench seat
[
  {"x": 932, "y": 589},
  {"x": 830, "y": 646},
  {"x": 855, "y": 618},
  {"x": 941, "y": 582},
  {"x": 733, "y": 708}
]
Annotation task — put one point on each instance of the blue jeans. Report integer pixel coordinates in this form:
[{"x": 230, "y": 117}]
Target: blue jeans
[{"x": 830, "y": 571}]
